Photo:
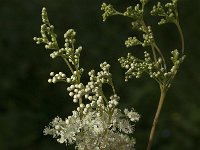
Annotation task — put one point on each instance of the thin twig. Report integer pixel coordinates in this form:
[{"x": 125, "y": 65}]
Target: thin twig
[{"x": 155, "y": 121}]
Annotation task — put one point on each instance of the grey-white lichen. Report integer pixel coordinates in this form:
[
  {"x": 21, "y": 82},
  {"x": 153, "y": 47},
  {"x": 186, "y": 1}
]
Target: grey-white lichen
[{"x": 97, "y": 122}]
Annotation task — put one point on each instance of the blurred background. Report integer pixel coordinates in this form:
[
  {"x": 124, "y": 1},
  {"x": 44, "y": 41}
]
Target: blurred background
[{"x": 28, "y": 103}]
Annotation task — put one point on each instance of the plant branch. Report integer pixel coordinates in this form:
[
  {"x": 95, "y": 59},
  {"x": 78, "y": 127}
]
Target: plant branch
[
  {"x": 155, "y": 121},
  {"x": 159, "y": 51},
  {"x": 181, "y": 35}
]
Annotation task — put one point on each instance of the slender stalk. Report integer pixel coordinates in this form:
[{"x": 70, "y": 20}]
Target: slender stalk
[
  {"x": 155, "y": 121},
  {"x": 181, "y": 35},
  {"x": 68, "y": 64},
  {"x": 159, "y": 51}
]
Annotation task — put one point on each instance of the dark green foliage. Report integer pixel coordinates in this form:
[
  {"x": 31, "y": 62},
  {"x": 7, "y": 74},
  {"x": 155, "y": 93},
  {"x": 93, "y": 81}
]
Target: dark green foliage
[{"x": 28, "y": 102}]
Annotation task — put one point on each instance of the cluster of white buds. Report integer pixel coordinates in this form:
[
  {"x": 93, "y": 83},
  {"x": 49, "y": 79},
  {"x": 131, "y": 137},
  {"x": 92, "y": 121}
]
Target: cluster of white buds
[
  {"x": 47, "y": 30},
  {"x": 97, "y": 123},
  {"x": 156, "y": 67},
  {"x": 93, "y": 90},
  {"x": 57, "y": 77},
  {"x": 108, "y": 11},
  {"x": 148, "y": 37},
  {"x": 104, "y": 76},
  {"x": 168, "y": 15},
  {"x": 55, "y": 54},
  {"x": 177, "y": 60},
  {"x": 134, "y": 13},
  {"x": 135, "y": 67},
  {"x": 132, "y": 41},
  {"x": 74, "y": 77},
  {"x": 158, "y": 9},
  {"x": 71, "y": 53},
  {"x": 76, "y": 91},
  {"x": 114, "y": 101},
  {"x": 69, "y": 37}
]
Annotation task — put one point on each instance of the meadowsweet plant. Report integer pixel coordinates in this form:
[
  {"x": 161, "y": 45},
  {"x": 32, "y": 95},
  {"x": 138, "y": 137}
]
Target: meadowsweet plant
[
  {"x": 97, "y": 123},
  {"x": 154, "y": 62}
]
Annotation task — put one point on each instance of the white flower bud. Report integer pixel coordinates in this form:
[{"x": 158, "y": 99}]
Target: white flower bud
[
  {"x": 54, "y": 80},
  {"x": 110, "y": 105},
  {"x": 116, "y": 103},
  {"x": 78, "y": 108},
  {"x": 63, "y": 75},
  {"x": 71, "y": 94},
  {"x": 57, "y": 127},
  {"x": 68, "y": 80},
  {"x": 75, "y": 100},
  {"x": 86, "y": 96},
  {"x": 78, "y": 96},
  {"x": 82, "y": 105},
  {"x": 50, "y": 80},
  {"x": 67, "y": 121},
  {"x": 51, "y": 73},
  {"x": 88, "y": 105}
]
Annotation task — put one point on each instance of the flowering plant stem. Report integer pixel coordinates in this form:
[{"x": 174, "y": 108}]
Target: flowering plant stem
[
  {"x": 163, "y": 91},
  {"x": 154, "y": 62}
]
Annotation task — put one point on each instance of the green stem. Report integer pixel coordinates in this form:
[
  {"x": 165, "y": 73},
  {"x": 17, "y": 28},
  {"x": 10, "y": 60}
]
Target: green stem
[
  {"x": 154, "y": 45},
  {"x": 67, "y": 62},
  {"x": 104, "y": 97},
  {"x": 155, "y": 121},
  {"x": 154, "y": 53},
  {"x": 112, "y": 85},
  {"x": 181, "y": 35},
  {"x": 159, "y": 51},
  {"x": 75, "y": 64}
]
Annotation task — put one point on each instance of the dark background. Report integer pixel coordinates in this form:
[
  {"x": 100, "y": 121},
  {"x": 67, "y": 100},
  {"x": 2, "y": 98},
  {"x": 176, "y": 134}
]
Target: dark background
[{"x": 28, "y": 103}]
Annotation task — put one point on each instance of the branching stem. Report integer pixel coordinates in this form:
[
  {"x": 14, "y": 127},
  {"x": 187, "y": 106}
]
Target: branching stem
[{"x": 163, "y": 91}]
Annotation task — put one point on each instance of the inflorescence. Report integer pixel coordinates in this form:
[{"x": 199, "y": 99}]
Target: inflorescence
[
  {"x": 154, "y": 62},
  {"x": 97, "y": 122}
]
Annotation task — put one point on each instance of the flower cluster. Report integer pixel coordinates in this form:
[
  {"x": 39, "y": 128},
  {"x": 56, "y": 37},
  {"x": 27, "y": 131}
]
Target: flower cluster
[
  {"x": 96, "y": 123},
  {"x": 168, "y": 14},
  {"x": 108, "y": 11},
  {"x": 47, "y": 30},
  {"x": 96, "y": 130},
  {"x": 132, "y": 41},
  {"x": 153, "y": 63},
  {"x": 70, "y": 55},
  {"x": 148, "y": 38},
  {"x": 57, "y": 77},
  {"x": 134, "y": 13},
  {"x": 136, "y": 67}
]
